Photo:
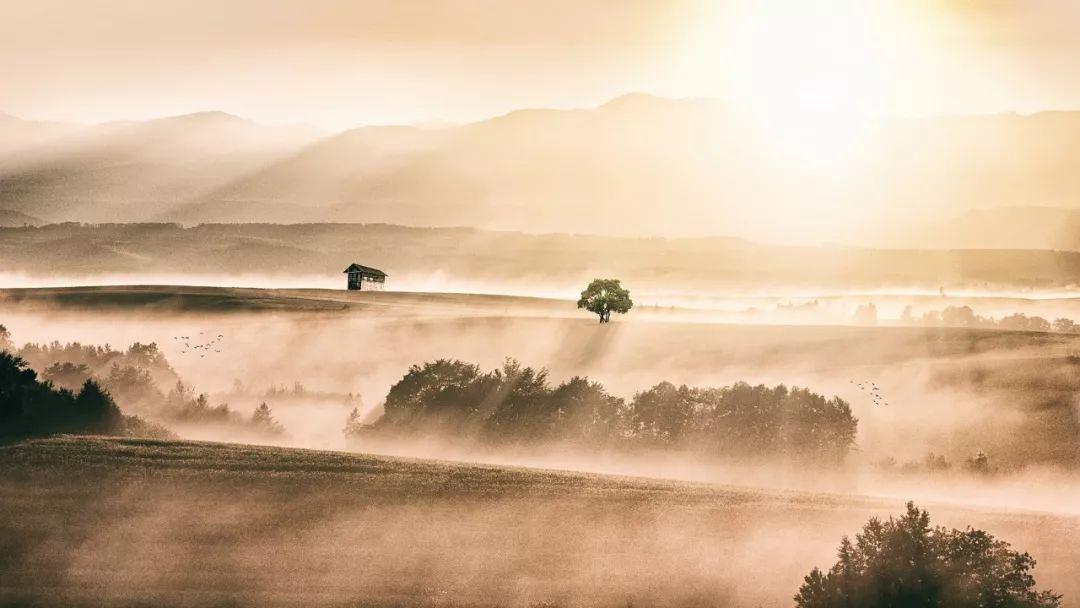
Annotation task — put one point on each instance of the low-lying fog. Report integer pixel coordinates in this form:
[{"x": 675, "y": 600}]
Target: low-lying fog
[
  {"x": 210, "y": 530},
  {"x": 937, "y": 397},
  {"x": 761, "y": 304}
]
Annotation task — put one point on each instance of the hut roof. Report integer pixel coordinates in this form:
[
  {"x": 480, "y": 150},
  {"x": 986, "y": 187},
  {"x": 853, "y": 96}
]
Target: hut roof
[{"x": 365, "y": 270}]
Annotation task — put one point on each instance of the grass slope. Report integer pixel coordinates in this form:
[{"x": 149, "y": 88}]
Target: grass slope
[
  {"x": 198, "y": 299},
  {"x": 98, "y": 521}
]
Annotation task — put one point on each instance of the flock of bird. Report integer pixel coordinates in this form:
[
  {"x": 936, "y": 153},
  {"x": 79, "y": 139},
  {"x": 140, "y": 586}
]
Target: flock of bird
[
  {"x": 871, "y": 390},
  {"x": 213, "y": 345}
]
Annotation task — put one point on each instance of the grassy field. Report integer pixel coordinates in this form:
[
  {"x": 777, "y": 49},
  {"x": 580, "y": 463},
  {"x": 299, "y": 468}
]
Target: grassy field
[
  {"x": 829, "y": 307},
  {"x": 202, "y": 300},
  {"x": 98, "y": 521}
]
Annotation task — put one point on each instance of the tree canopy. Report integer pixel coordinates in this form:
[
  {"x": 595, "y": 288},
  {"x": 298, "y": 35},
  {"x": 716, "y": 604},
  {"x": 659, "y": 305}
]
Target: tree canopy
[
  {"x": 907, "y": 563},
  {"x": 605, "y": 296},
  {"x": 517, "y": 403}
]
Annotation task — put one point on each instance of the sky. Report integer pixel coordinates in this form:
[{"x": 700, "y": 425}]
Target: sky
[{"x": 343, "y": 63}]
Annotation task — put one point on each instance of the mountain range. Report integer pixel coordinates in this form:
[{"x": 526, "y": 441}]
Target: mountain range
[{"x": 637, "y": 165}]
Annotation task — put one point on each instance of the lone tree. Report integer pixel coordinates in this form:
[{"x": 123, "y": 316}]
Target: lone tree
[
  {"x": 605, "y": 296},
  {"x": 905, "y": 562}
]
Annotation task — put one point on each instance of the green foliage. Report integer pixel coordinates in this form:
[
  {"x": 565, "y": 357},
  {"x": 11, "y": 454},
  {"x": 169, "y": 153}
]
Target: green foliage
[
  {"x": 605, "y": 296},
  {"x": 907, "y": 563}
]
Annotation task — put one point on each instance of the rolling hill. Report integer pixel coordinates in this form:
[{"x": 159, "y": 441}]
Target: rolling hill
[
  {"x": 17, "y": 134},
  {"x": 479, "y": 260},
  {"x": 114, "y": 522}
]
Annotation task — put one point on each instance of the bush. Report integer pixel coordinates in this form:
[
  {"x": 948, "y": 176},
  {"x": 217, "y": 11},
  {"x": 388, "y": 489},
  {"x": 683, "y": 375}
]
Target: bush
[{"x": 905, "y": 562}]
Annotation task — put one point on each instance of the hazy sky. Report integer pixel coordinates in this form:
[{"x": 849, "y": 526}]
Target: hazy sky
[{"x": 343, "y": 63}]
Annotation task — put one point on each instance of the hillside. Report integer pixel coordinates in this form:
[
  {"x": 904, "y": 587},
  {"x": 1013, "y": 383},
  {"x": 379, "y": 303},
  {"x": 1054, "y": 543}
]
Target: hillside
[
  {"x": 198, "y": 300},
  {"x": 198, "y": 524},
  {"x": 713, "y": 169},
  {"x": 467, "y": 259}
]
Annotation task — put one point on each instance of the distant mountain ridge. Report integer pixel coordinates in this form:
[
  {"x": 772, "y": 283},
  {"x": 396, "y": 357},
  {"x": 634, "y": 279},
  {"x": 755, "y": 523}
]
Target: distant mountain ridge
[
  {"x": 132, "y": 170},
  {"x": 637, "y": 165},
  {"x": 18, "y": 134},
  {"x": 472, "y": 258}
]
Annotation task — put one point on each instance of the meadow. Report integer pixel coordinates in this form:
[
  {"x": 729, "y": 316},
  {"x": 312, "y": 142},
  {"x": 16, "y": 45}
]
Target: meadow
[{"x": 122, "y": 522}]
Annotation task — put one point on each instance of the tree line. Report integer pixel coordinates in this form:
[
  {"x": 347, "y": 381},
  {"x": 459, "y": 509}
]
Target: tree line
[
  {"x": 31, "y": 407},
  {"x": 965, "y": 316},
  {"x": 517, "y": 404},
  {"x": 131, "y": 379}
]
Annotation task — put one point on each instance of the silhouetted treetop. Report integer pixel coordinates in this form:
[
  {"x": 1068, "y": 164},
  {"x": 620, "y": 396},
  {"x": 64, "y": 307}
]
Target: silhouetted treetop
[
  {"x": 907, "y": 563},
  {"x": 517, "y": 403},
  {"x": 29, "y": 407}
]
